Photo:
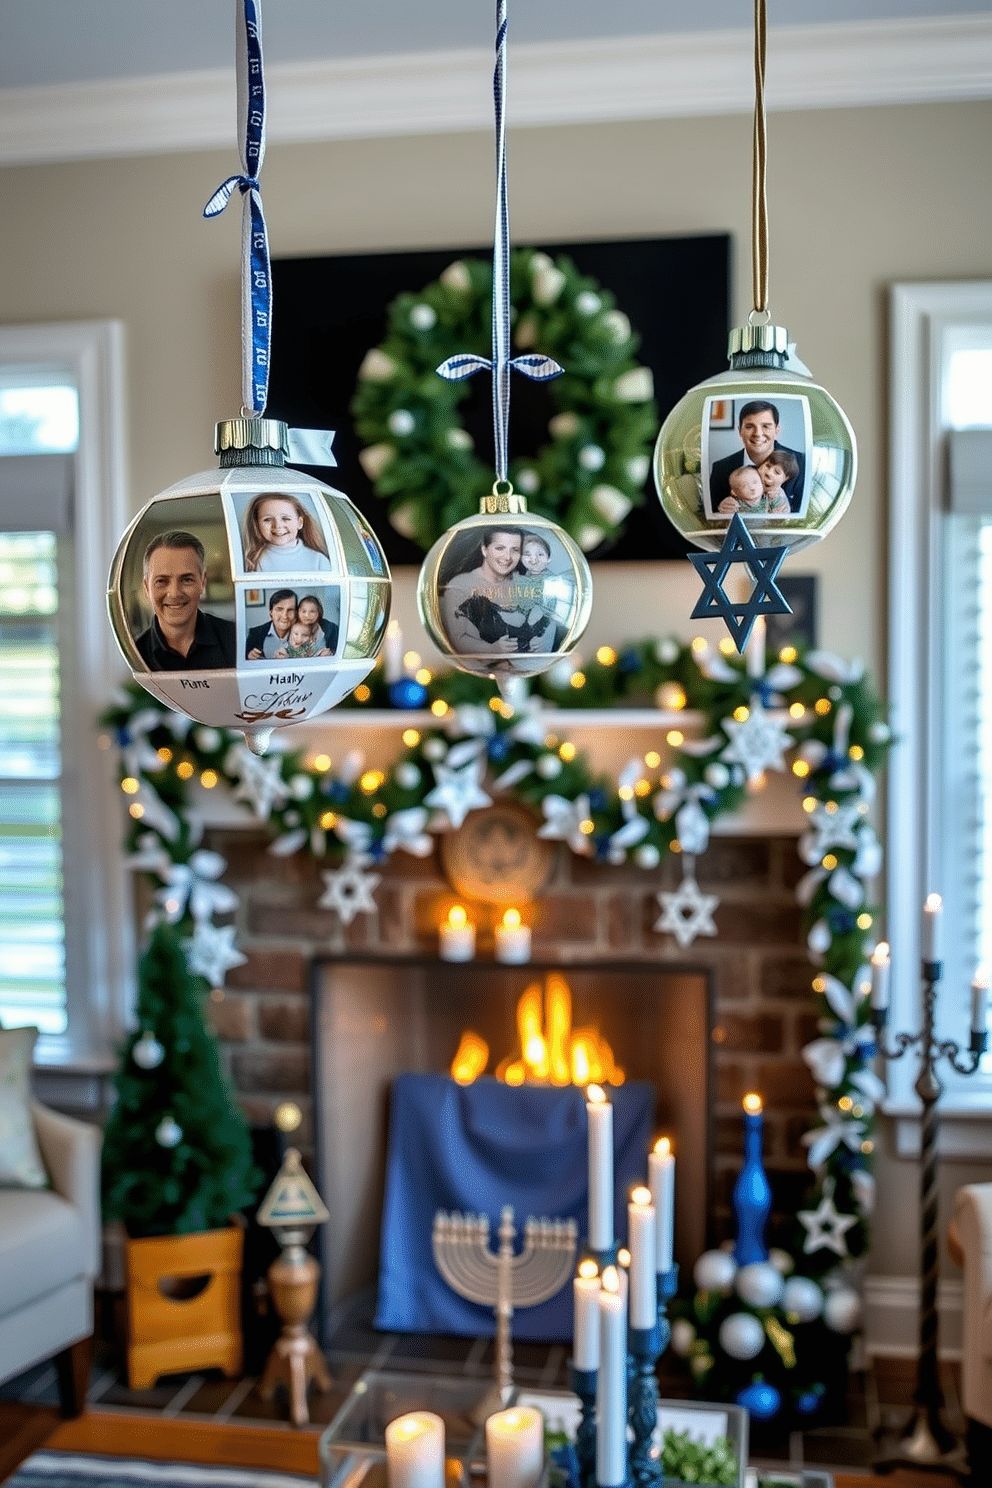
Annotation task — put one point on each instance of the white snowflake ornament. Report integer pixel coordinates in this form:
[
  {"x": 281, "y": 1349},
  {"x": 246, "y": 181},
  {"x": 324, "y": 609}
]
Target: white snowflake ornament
[
  {"x": 757, "y": 742},
  {"x": 211, "y": 952}
]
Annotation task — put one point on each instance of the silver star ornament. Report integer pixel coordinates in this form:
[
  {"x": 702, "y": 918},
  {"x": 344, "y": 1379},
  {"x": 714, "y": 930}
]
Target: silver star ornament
[{"x": 825, "y": 1228}]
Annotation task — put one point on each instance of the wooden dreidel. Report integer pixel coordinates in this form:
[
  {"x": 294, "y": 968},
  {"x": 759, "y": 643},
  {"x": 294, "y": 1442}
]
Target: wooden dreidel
[{"x": 292, "y": 1208}]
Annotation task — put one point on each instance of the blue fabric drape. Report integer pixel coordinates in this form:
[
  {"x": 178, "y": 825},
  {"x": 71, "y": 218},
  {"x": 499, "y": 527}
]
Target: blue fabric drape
[{"x": 475, "y": 1148}]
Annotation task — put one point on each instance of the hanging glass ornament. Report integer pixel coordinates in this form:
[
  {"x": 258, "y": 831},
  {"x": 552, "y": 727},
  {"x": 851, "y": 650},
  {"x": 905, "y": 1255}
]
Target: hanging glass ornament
[
  {"x": 147, "y": 1052},
  {"x": 506, "y": 593},
  {"x": 763, "y": 441},
  {"x": 255, "y": 596}
]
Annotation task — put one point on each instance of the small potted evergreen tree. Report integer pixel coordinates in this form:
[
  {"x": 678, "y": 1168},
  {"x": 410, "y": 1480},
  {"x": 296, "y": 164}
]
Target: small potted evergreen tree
[{"x": 177, "y": 1169}]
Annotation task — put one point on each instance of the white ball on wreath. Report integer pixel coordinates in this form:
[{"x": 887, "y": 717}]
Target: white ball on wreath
[
  {"x": 588, "y": 303},
  {"x": 741, "y": 1336},
  {"x": 647, "y": 855},
  {"x": 714, "y": 1271},
  {"x": 434, "y": 750},
  {"x": 802, "y": 1299},
  {"x": 423, "y": 318},
  {"x": 667, "y": 651},
  {"x": 401, "y": 423},
  {"x": 548, "y": 766},
  {"x": 759, "y": 1284},
  {"x": 168, "y": 1133},
  {"x": 528, "y": 481},
  {"x": 408, "y": 777},
  {"x": 842, "y": 1310},
  {"x": 683, "y": 1337},
  {"x": 591, "y": 457},
  {"x": 148, "y": 1052}
]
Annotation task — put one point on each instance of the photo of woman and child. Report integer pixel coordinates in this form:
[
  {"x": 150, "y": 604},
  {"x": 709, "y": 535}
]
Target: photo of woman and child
[
  {"x": 296, "y": 628},
  {"x": 498, "y": 595},
  {"x": 281, "y": 534}
]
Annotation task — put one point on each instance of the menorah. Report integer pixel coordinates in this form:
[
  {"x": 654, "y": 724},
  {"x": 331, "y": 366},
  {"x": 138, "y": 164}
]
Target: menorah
[
  {"x": 501, "y": 1279},
  {"x": 927, "y": 1442}
]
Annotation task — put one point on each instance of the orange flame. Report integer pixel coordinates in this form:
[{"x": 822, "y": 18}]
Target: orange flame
[{"x": 550, "y": 1051}]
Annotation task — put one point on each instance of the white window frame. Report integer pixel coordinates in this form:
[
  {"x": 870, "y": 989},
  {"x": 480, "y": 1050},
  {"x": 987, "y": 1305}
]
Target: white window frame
[
  {"x": 918, "y": 538},
  {"x": 100, "y": 979}
]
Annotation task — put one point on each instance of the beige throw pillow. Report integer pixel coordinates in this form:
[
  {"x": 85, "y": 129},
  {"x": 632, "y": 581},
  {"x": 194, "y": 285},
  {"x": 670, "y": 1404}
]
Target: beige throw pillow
[{"x": 20, "y": 1161}]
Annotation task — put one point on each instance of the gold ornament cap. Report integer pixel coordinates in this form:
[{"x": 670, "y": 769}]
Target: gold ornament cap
[
  {"x": 758, "y": 346},
  {"x": 504, "y": 500},
  {"x": 258, "y": 441}
]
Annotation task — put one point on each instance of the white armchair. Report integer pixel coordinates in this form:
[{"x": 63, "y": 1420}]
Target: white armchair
[
  {"x": 971, "y": 1244},
  {"x": 49, "y": 1255}
]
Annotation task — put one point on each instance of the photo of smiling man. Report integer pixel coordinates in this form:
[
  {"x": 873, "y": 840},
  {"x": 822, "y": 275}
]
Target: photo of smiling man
[
  {"x": 181, "y": 636},
  {"x": 762, "y": 428}
]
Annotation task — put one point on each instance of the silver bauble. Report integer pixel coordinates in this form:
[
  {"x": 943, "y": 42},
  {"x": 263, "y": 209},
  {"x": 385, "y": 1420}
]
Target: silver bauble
[
  {"x": 802, "y": 1299},
  {"x": 759, "y": 1284},
  {"x": 703, "y": 431},
  {"x": 714, "y": 1271},
  {"x": 147, "y": 1052},
  {"x": 741, "y": 1336},
  {"x": 168, "y": 1133},
  {"x": 842, "y": 1310}
]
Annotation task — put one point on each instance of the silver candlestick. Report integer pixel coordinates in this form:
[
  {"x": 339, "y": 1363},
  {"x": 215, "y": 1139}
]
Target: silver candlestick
[{"x": 927, "y": 1442}]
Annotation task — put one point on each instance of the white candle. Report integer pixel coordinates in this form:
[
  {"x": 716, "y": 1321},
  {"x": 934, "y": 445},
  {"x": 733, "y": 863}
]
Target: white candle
[
  {"x": 931, "y": 927},
  {"x": 611, "y": 1384},
  {"x": 979, "y": 1000},
  {"x": 512, "y": 939},
  {"x": 880, "y": 968},
  {"x": 392, "y": 652},
  {"x": 756, "y": 648},
  {"x": 661, "y": 1180},
  {"x": 585, "y": 1328},
  {"x": 456, "y": 937},
  {"x": 515, "y": 1447},
  {"x": 641, "y": 1239},
  {"x": 415, "y": 1451},
  {"x": 600, "y": 1114}
]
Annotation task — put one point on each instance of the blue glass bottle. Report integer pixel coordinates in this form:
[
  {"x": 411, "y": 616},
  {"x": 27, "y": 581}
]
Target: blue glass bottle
[{"x": 752, "y": 1197}]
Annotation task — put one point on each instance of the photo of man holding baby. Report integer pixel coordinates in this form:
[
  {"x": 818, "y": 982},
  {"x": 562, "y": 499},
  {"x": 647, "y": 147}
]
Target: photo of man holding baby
[{"x": 758, "y": 466}]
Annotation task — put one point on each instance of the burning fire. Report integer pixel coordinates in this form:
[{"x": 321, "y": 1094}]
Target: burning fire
[{"x": 550, "y": 1050}]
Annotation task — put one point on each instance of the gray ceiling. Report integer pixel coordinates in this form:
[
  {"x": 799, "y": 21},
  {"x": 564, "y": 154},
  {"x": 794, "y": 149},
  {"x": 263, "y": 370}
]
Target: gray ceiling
[{"x": 62, "y": 41}]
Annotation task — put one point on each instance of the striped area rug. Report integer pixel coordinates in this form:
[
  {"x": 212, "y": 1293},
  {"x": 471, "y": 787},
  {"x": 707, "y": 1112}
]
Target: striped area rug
[{"x": 68, "y": 1470}]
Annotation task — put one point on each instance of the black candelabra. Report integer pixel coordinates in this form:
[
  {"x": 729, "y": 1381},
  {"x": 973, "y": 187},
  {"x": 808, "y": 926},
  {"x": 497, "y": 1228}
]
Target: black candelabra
[{"x": 927, "y": 1442}]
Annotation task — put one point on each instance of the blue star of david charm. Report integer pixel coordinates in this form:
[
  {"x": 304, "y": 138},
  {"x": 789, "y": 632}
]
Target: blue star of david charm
[{"x": 766, "y": 597}]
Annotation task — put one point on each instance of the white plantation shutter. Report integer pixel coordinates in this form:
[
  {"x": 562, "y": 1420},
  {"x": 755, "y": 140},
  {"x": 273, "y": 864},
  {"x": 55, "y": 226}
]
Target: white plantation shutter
[{"x": 36, "y": 668}]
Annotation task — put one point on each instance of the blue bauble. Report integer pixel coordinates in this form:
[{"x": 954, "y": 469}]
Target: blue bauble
[
  {"x": 407, "y": 692},
  {"x": 335, "y": 790},
  {"x": 809, "y": 1402},
  {"x": 629, "y": 661},
  {"x": 761, "y": 1399},
  {"x": 597, "y": 800},
  {"x": 498, "y": 747}
]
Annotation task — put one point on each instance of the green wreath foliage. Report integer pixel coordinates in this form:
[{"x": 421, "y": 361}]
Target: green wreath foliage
[{"x": 421, "y": 460}]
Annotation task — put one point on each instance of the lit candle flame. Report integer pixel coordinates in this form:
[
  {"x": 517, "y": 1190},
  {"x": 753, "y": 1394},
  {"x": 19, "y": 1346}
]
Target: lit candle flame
[
  {"x": 611, "y": 1279},
  {"x": 752, "y": 1104},
  {"x": 934, "y": 904},
  {"x": 640, "y": 1195},
  {"x": 512, "y": 919},
  {"x": 457, "y": 917},
  {"x": 880, "y": 955},
  {"x": 981, "y": 977},
  {"x": 663, "y": 1146},
  {"x": 588, "y": 1269},
  {"x": 623, "y": 1257}
]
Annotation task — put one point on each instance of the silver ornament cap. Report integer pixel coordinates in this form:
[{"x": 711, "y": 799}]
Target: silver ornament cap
[{"x": 258, "y": 441}]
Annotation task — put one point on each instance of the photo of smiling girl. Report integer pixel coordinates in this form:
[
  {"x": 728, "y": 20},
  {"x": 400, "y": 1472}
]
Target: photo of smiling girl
[{"x": 281, "y": 535}]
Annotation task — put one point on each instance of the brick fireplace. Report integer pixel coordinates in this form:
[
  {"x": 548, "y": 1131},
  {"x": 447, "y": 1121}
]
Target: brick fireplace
[{"x": 764, "y": 1008}]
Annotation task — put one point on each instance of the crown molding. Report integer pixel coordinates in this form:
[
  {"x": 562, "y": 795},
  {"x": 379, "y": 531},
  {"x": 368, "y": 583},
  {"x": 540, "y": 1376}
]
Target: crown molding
[{"x": 570, "y": 82}]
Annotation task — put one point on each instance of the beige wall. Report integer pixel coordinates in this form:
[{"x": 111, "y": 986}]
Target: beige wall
[{"x": 858, "y": 199}]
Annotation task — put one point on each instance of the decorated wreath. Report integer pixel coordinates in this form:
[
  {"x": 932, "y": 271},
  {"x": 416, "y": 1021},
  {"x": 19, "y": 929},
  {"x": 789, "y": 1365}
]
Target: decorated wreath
[{"x": 420, "y": 458}]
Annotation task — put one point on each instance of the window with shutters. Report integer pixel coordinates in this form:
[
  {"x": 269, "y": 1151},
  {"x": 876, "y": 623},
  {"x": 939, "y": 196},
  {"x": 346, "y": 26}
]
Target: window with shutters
[
  {"x": 65, "y": 933},
  {"x": 940, "y": 661}
]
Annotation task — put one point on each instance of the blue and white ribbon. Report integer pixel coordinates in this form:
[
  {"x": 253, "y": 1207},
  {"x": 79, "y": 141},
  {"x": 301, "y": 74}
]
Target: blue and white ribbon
[
  {"x": 256, "y": 276},
  {"x": 538, "y": 368}
]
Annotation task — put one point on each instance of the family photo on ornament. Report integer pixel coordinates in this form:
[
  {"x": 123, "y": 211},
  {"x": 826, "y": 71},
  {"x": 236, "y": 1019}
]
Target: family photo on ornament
[
  {"x": 756, "y": 457},
  {"x": 505, "y": 591},
  {"x": 282, "y": 625}
]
